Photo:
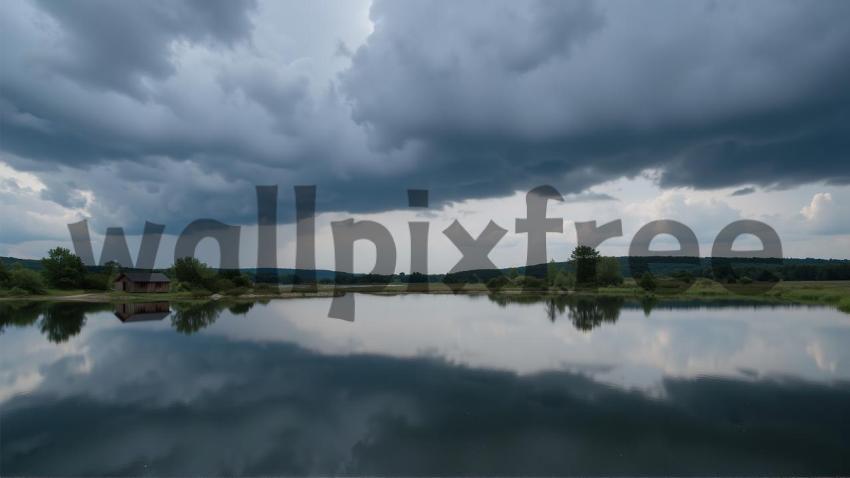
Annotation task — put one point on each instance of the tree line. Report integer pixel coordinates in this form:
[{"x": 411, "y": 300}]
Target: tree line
[
  {"x": 64, "y": 270},
  {"x": 61, "y": 269}
]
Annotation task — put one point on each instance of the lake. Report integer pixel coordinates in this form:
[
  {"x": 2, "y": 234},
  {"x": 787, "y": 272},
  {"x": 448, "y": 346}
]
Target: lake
[{"x": 424, "y": 385}]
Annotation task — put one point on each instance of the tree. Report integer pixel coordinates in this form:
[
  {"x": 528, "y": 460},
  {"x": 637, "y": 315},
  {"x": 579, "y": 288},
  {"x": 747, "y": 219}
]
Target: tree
[
  {"x": 111, "y": 269},
  {"x": 647, "y": 282},
  {"x": 4, "y": 276},
  {"x": 236, "y": 276},
  {"x": 551, "y": 272},
  {"x": 62, "y": 269},
  {"x": 767, "y": 276},
  {"x": 608, "y": 271},
  {"x": 191, "y": 271},
  {"x": 417, "y": 278},
  {"x": 585, "y": 259}
]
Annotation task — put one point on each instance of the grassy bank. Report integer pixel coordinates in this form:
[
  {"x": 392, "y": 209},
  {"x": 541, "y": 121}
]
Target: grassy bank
[{"x": 832, "y": 293}]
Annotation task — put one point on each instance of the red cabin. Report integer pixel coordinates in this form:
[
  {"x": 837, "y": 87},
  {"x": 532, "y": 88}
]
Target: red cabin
[{"x": 142, "y": 282}]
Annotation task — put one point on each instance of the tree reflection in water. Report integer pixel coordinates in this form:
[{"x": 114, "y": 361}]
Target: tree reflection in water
[
  {"x": 585, "y": 313},
  {"x": 647, "y": 304},
  {"x": 241, "y": 308},
  {"x": 192, "y": 317},
  {"x": 58, "y": 321},
  {"x": 588, "y": 313}
]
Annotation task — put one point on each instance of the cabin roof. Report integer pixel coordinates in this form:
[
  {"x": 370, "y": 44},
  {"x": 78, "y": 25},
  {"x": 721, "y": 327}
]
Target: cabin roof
[{"x": 143, "y": 277}]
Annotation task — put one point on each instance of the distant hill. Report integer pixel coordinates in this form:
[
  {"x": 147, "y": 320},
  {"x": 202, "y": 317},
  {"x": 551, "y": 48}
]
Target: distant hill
[
  {"x": 28, "y": 263},
  {"x": 788, "y": 269}
]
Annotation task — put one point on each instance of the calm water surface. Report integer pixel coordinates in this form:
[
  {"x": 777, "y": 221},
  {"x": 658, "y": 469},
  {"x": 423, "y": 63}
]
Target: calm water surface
[{"x": 424, "y": 385}]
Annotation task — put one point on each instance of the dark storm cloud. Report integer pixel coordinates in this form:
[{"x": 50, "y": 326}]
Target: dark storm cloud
[
  {"x": 778, "y": 149},
  {"x": 467, "y": 99},
  {"x": 63, "y": 105},
  {"x": 209, "y": 405},
  {"x": 115, "y": 45},
  {"x": 719, "y": 93}
]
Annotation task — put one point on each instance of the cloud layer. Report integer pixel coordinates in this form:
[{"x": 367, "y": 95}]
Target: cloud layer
[{"x": 173, "y": 111}]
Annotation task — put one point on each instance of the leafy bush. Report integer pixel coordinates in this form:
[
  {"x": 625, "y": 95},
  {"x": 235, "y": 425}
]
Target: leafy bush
[
  {"x": 565, "y": 280},
  {"x": 530, "y": 282},
  {"x": 647, "y": 282},
  {"x": 498, "y": 282},
  {"x": 195, "y": 274},
  {"x": 218, "y": 284},
  {"x": 235, "y": 276},
  {"x": 97, "y": 281},
  {"x": 767, "y": 276},
  {"x": 608, "y": 271},
  {"x": 266, "y": 288},
  {"x": 4, "y": 276},
  {"x": 27, "y": 280},
  {"x": 177, "y": 286},
  {"x": 684, "y": 276},
  {"x": 745, "y": 280}
]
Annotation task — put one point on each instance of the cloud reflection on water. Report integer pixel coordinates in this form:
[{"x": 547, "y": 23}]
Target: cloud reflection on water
[{"x": 427, "y": 385}]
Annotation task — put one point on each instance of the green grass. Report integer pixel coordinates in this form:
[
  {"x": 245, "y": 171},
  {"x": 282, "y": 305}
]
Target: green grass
[
  {"x": 98, "y": 295},
  {"x": 833, "y": 293}
]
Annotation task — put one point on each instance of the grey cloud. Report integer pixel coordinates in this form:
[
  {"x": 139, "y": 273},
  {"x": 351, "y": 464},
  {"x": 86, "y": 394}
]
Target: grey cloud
[
  {"x": 588, "y": 196},
  {"x": 720, "y": 94},
  {"x": 778, "y": 150},
  {"x": 279, "y": 95},
  {"x": 744, "y": 191},
  {"x": 116, "y": 44}
]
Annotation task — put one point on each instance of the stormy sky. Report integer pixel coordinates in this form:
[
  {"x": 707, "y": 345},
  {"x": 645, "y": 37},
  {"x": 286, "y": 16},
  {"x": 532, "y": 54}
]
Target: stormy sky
[{"x": 170, "y": 111}]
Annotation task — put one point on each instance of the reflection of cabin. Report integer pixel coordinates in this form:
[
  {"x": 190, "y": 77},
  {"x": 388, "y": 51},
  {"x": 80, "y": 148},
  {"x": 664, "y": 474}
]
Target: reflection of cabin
[
  {"x": 142, "y": 282},
  {"x": 142, "y": 312}
]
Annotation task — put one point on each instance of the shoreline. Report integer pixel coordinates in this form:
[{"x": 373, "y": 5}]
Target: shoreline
[{"x": 827, "y": 293}]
